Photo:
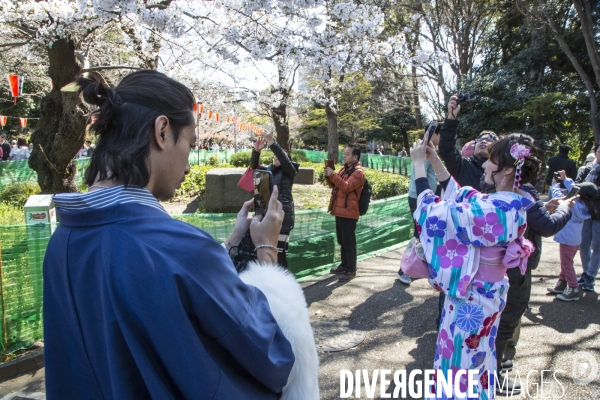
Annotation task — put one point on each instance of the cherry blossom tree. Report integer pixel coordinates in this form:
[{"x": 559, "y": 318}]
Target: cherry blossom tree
[{"x": 62, "y": 32}]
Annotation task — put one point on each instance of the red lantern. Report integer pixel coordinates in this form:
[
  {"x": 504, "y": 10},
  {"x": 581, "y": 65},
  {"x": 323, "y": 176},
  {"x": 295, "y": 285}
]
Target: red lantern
[
  {"x": 23, "y": 122},
  {"x": 228, "y": 118},
  {"x": 3, "y": 120},
  {"x": 210, "y": 114},
  {"x": 217, "y": 116},
  {"x": 195, "y": 108},
  {"x": 16, "y": 86},
  {"x": 201, "y": 108}
]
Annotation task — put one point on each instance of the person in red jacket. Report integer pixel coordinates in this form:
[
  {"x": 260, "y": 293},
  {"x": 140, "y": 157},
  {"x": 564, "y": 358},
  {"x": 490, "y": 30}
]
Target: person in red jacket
[{"x": 347, "y": 185}]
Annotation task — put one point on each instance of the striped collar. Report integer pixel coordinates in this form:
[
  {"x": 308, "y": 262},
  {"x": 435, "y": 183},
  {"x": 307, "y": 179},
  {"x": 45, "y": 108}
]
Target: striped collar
[{"x": 106, "y": 197}]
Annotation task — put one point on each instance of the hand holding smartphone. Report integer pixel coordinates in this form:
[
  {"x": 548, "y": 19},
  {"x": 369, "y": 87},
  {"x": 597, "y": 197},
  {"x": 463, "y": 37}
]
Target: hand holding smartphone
[{"x": 431, "y": 129}]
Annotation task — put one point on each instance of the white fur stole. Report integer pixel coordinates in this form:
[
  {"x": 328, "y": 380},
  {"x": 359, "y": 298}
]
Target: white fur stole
[{"x": 288, "y": 306}]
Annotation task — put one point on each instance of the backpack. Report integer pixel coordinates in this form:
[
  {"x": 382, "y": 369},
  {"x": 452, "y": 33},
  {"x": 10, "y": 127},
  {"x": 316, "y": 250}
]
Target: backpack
[{"x": 365, "y": 196}]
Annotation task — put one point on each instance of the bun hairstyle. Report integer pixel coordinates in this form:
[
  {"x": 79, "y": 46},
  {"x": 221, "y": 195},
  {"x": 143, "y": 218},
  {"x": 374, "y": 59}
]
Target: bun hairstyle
[
  {"x": 125, "y": 120},
  {"x": 499, "y": 154}
]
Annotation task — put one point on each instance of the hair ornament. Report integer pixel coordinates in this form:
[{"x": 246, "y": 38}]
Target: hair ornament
[{"x": 519, "y": 152}]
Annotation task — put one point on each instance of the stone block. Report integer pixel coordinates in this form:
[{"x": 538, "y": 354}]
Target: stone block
[
  {"x": 305, "y": 176},
  {"x": 222, "y": 193}
]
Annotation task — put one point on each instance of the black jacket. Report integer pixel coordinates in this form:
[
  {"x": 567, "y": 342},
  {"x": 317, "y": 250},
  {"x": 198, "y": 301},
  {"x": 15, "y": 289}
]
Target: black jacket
[
  {"x": 467, "y": 171},
  {"x": 283, "y": 177},
  {"x": 540, "y": 223},
  {"x": 6, "y": 148},
  {"x": 561, "y": 162}
]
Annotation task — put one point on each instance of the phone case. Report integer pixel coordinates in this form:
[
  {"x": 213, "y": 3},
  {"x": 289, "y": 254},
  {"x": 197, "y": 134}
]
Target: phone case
[{"x": 262, "y": 190}]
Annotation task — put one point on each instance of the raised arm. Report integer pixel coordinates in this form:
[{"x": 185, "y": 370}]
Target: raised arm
[
  {"x": 258, "y": 146},
  {"x": 286, "y": 164},
  {"x": 447, "y": 147}
]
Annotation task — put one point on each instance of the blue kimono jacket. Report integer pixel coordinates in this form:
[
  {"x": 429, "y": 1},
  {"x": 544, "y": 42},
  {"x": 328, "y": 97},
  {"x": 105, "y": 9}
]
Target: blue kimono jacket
[{"x": 139, "y": 305}]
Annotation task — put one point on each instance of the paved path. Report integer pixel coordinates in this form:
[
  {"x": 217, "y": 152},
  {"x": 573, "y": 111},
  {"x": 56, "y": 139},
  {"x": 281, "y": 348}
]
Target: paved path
[{"x": 398, "y": 322}]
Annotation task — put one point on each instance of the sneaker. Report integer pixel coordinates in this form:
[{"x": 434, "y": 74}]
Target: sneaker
[
  {"x": 570, "y": 294},
  {"x": 588, "y": 283},
  {"x": 507, "y": 365},
  {"x": 347, "y": 276},
  {"x": 581, "y": 279},
  {"x": 337, "y": 270},
  {"x": 403, "y": 278},
  {"x": 507, "y": 387},
  {"x": 559, "y": 287}
]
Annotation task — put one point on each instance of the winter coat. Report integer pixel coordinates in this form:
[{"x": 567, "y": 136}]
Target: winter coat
[
  {"x": 347, "y": 184},
  {"x": 540, "y": 223},
  {"x": 283, "y": 177},
  {"x": 467, "y": 171}
]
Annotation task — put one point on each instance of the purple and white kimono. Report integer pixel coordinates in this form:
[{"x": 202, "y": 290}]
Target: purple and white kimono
[{"x": 469, "y": 240}]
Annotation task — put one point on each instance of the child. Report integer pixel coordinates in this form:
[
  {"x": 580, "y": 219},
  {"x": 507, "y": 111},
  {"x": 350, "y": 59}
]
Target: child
[{"x": 567, "y": 287}]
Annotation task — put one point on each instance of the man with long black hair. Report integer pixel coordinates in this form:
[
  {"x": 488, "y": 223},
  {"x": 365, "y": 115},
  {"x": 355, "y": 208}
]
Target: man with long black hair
[{"x": 138, "y": 304}]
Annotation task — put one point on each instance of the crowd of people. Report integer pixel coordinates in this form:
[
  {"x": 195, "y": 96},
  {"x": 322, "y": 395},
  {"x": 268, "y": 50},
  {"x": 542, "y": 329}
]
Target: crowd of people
[
  {"x": 481, "y": 221},
  {"x": 15, "y": 150},
  {"x": 137, "y": 304}
]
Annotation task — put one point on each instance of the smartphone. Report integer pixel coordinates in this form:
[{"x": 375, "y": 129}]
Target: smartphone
[
  {"x": 573, "y": 192},
  {"x": 263, "y": 187},
  {"x": 431, "y": 129}
]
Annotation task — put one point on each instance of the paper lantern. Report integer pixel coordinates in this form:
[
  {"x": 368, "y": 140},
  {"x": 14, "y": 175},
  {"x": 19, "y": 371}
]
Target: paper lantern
[
  {"x": 217, "y": 116},
  {"x": 228, "y": 119},
  {"x": 3, "y": 120},
  {"x": 23, "y": 122},
  {"x": 210, "y": 114},
  {"x": 195, "y": 107},
  {"x": 15, "y": 83},
  {"x": 201, "y": 108},
  {"x": 16, "y": 86}
]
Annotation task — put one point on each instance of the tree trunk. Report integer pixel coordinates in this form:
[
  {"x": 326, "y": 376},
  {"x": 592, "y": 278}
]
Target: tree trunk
[
  {"x": 60, "y": 131},
  {"x": 405, "y": 139},
  {"x": 279, "y": 116},
  {"x": 416, "y": 106},
  {"x": 584, "y": 11},
  {"x": 333, "y": 138}
]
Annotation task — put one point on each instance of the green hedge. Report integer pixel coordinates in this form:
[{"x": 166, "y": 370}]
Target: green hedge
[
  {"x": 383, "y": 184},
  {"x": 242, "y": 159},
  {"x": 16, "y": 194},
  {"x": 195, "y": 181}
]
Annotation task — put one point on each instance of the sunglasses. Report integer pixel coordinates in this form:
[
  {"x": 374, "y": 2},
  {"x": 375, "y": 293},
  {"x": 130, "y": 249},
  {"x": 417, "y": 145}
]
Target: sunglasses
[{"x": 484, "y": 139}]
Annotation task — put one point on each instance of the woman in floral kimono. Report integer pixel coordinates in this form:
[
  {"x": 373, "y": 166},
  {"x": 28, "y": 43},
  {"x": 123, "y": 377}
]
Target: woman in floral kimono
[{"x": 469, "y": 240}]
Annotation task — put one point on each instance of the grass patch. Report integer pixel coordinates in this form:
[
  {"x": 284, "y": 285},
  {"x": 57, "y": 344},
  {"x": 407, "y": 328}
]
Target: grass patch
[{"x": 309, "y": 197}]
